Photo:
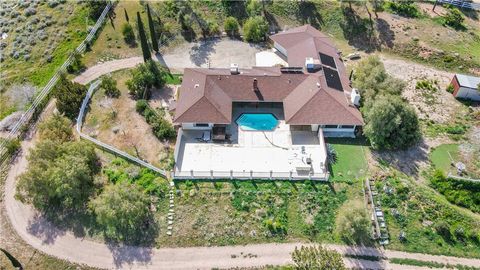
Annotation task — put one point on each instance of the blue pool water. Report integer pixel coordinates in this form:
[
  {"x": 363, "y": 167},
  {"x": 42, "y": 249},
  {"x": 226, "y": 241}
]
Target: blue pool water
[{"x": 257, "y": 121}]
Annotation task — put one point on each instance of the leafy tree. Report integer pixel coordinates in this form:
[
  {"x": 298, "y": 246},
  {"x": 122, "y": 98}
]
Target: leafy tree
[
  {"x": 59, "y": 177},
  {"x": 12, "y": 145},
  {"x": 354, "y": 226},
  {"x": 69, "y": 96},
  {"x": 95, "y": 8},
  {"x": 123, "y": 209},
  {"x": 317, "y": 257},
  {"x": 153, "y": 34},
  {"x": 454, "y": 18},
  {"x": 126, "y": 15},
  {"x": 372, "y": 79},
  {"x": 254, "y": 8},
  {"x": 76, "y": 64},
  {"x": 109, "y": 85},
  {"x": 56, "y": 128},
  {"x": 143, "y": 39},
  {"x": 128, "y": 34},
  {"x": 255, "y": 29},
  {"x": 231, "y": 26},
  {"x": 391, "y": 123},
  {"x": 145, "y": 77}
]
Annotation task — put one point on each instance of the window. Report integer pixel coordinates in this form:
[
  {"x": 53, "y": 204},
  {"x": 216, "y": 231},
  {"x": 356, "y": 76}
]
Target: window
[
  {"x": 201, "y": 125},
  {"x": 331, "y": 126},
  {"x": 347, "y": 126}
]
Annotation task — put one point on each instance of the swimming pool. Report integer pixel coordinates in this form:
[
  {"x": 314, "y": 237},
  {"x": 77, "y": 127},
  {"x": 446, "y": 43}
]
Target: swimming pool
[{"x": 257, "y": 121}]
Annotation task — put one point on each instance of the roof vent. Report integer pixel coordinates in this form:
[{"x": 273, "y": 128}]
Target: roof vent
[
  {"x": 196, "y": 85},
  {"x": 355, "y": 97},
  {"x": 234, "y": 69},
  {"x": 255, "y": 84},
  {"x": 318, "y": 84}
]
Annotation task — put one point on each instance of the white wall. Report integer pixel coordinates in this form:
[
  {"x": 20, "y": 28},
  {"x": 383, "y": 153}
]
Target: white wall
[
  {"x": 280, "y": 48},
  {"x": 468, "y": 93},
  {"x": 190, "y": 126}
]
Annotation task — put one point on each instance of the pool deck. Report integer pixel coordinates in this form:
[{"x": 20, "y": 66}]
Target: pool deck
[{"x": 251, "y": 154}]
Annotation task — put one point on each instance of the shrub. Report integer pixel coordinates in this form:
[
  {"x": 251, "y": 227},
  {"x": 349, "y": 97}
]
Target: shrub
[
  {"x": 450, "y": 89},
  {"x": 231, "y": 26},
  {"x": 141, "y": 105},
  {"x": 76, "y": 64},
  {"x": 69, "y": 96},
  {"x": 443, "y": 229},
  {"x": 406, "y": 8},
  {"x": 255, "y": 29},
  {"x": 454, "y": 18},
  {"x": 317, "y": 257},
  {"x": 161, "y": 128},
  {"x": 56, "y": 128},
  {"x": 391, "y": 123},
  {"x": 354, "y": 226},
  {"x": 254, "y": 8},
  {"x": 109, "y": 85},
  {"x": 128, "y": 34},
  {"x": 12, "y": 146},
  {"x": 145, "y": 77}
]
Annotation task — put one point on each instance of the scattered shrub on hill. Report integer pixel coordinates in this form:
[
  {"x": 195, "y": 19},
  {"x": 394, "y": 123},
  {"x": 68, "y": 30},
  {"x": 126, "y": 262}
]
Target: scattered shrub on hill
[
  {"x": 162, "y": 129},
  {"x": 12, "y": 146},
  {"x": 56, "y": 128},
  {"x": 109, "y": 85},
  {"x": 145, "y": 77},
  {"x": 406, "y": 8},
  {"x": 69, "y": 96},
  {"x": 255, "y": 29},
  {"x": 128, "y": 34},
  {"x": 317, "y": 257},
  {"x": 461, "y": 193},
  {"x": 123, "y": 209},
  {"x": 354, "y": 226},
  {"x": 231, "y": 26},
  {"x": 254, "y": 8},
  {"x": 454, "y": 18}
]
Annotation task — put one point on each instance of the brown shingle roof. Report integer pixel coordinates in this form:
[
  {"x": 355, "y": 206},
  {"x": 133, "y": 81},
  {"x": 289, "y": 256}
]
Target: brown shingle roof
[{"x": 206, "y": 95}]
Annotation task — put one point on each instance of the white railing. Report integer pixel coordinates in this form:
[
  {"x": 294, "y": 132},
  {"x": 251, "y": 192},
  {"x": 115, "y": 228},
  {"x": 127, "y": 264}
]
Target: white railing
[
  {"x": 461, "y": 4},
  {"x": 27, "y": 116},
  {"x": 103, "y": 145},
  {"x": 249, "y": 175}
]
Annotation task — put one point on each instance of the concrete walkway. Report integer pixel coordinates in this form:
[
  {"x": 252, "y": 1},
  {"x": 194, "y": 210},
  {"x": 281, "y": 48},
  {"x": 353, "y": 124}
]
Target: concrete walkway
[{"x": 214, "y": 52}]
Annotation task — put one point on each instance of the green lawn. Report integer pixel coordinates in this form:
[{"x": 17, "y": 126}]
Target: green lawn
[
  {"x": 173, "y": 78},
  {"x": 442, "y": 156},
  {"x": 351, "y": 161}
]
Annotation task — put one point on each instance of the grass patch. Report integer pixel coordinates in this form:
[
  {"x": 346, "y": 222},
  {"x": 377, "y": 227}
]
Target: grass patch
[
  {"x": 351, "y": 162},
  {"x": 173, "y": 78},
  {"x": 443, "y": 155}
]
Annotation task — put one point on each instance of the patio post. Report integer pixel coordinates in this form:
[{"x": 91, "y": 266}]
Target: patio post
[
  {"x": 191, "y": 173},
  {"x": 231, "y": 174},
  {"x": 290, "y": 175},
  {"x": 211, "y": 174},
  {"x": 271, "y": 173},
  {"x": 251, "y": 174}
]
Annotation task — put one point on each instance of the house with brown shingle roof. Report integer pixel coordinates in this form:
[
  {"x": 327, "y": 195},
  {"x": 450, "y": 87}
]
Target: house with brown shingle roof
[{"x": 228, "y": 116}]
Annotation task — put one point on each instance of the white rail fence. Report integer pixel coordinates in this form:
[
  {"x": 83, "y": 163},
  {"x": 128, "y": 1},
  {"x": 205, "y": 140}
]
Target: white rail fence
[
  {"x": 249, "y": 175},
  {"x": 461, "y": 3},
  {"x": 36, "y": 104},
  {"x": 103, "y": 145}
]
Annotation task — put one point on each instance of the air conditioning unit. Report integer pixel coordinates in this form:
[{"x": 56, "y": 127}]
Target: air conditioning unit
[
  {"x": 234, "y": 69},
  {"x": 355, "y": 97}
]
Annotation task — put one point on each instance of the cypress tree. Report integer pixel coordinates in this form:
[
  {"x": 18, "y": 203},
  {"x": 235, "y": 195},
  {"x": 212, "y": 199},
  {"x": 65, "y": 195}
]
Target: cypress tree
[
  {"x": 143, "y": 39},
  {"x": 126, "y": 15},
  {"x": 153, "y": 35}
]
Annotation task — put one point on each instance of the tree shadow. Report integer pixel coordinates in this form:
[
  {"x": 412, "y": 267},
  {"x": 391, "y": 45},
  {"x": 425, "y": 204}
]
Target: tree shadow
[
  {"x": 358, "y": 31},
  {"x": 407, "y": 161},
  {"x": 386, "y": 35},
  {"x": 273, "y": 24},
  {"x": 15, "y": 263},
  {"x": 308, "y": 14},
  {"x": 200, "y": 53},
  {"x": 470, "y": 13},
  {"x": 43, "y": 229},
  {"x": 123, "y": 254}
]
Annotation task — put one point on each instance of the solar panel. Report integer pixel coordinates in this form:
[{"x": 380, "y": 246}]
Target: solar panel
[
  {"x": 327, "y": 60},
  {"x": 332, "y": 78},
  {"x": 291, "y": 70}
]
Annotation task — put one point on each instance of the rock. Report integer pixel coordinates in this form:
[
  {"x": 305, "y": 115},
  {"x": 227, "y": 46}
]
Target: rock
[
  {"x": 170, "y": 218},
  {"x": 192, "y": 192},
  {"x": 8, "y": 122},
  {"x": 170, "y": 222},
  {"x": 169, "y": 233},
  {"x": 169, "y": 228},
  {"x": 116, "y": 129}
]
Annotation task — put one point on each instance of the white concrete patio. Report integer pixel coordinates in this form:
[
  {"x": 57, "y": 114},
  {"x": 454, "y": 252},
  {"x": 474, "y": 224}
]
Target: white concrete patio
[{"x": 253, "y": 154}]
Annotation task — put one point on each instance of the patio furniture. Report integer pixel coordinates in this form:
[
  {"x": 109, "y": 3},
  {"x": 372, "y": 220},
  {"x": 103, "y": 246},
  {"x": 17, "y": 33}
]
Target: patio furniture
[
  {"x": 219, "y": 133},
  {"x": 206, "y": 136}
]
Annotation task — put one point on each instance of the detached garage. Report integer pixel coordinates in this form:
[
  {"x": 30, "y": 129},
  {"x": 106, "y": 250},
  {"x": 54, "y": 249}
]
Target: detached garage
[{"x": 466, "y": 87}]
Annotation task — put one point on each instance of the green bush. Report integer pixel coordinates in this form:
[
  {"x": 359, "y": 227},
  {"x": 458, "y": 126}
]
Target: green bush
[
  {"x": 231, "y": 26},
  {"x": 162, "y": 129},
  {"x": 77, "y": 64},
  {"x": 406, "y": 8},
  {"x": 12, "y": 146},
  {"x": 141, "y": 105},
  {"x": 145, "y": 77},
  {"x": 255, "y": 29},
  {"x": 128, "y": 34},
  {"x": 56, "y": 128},
  {"x": 450, "y": 88},
  {"x": 109, "y": 85},
  {"x": 454, "y": 18},
  {"x": 69, "y": 96}
]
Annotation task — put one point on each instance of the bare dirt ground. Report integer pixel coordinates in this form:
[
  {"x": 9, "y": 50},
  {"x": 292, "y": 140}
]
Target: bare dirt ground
[
  {"x": 115, "y": 121},
  {"x": 443, "y": 105}
]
